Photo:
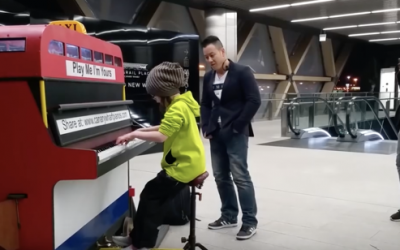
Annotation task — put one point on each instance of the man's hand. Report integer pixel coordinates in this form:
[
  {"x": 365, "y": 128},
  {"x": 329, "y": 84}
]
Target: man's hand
[{"x": 207, "y": 136}]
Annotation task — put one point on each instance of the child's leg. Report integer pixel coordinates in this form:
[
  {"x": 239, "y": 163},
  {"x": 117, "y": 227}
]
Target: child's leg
[{"x": 151, "y": 209}]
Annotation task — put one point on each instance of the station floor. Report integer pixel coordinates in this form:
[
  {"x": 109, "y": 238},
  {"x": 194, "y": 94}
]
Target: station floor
[{"x": 308, "y": 199}]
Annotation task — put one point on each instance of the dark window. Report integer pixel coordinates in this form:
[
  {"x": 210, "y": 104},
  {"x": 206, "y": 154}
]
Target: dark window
[
  {"x": 108, "y": 59},
  {"x": 56, "y": 48},
  {"x": 118, "y": 61},
  {"x": 98, "y": 57},
  {"x": 12, "y": 45},
  {"x": 72, "y": 51},
  {"x": 86, "y": 54}
]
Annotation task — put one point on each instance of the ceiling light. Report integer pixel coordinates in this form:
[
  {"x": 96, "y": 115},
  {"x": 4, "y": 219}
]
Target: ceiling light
[
  {"x": 375, "y": 24},
  {"x": 310, "y": 19},
  {"x": 384, "y": 39},
  {"x": 386, "y": 10},
  {"x": 310, "y": 2},
  {"x": 341, "y": 27},
  {"x": 351, "y": 14},
  {"x": 390, "y": 32},
  {"x": 334, "y": 16},
  {"x": 271, "y": 8},
  {"x": 365, "y": 34},
  {"x": 289, "y": 5}
]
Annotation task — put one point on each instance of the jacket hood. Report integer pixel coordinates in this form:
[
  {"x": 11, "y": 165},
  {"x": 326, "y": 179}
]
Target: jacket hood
[{"x": 187, "y": 97}]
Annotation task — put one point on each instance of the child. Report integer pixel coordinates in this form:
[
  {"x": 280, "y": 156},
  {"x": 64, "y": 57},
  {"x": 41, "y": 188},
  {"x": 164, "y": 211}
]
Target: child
[{"x": 183, "y": 158}]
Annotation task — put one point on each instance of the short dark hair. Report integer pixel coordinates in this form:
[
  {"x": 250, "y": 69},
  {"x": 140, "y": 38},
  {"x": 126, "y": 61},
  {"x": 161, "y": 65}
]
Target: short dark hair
[{"x": 212, "y": 40}]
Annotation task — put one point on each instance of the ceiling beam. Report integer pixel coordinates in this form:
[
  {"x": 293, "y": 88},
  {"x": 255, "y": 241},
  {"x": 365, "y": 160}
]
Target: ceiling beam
[
  {"x": 283, "y": 66},
  {"x": 271, "y": 77},
  {"x": 105, "y": 9},
  {"x": 244, "y": 33},
  {"x": 76, "y": 7},
  {"x": 146, "y": 13},
  {"x": 311, "y": 78},
  {"x": 297, "y": 57},
  {"x": 198, "y": 20},
  {"x": 281, "y": 90},
  {"x": 328, "y": 87},
  {"x": 279, "y": 47},
  {"x": 242, "y": 43},
  {"x": 343, "y": 57},
  {"x": 328, "y": 58}
]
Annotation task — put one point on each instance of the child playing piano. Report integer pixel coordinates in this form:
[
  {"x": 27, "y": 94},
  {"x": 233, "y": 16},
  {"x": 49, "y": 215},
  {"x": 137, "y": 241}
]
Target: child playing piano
[{"x": 183, "y": 158}]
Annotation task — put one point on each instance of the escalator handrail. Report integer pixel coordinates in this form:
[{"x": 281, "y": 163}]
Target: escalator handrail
[
  {"x": 334, "y": 113},
  {"x": 348, "y": 111},
  {"x": 365, "y": 99},
  {"x": 352, "y": 133},
  {"x": 387, "y": 115}
]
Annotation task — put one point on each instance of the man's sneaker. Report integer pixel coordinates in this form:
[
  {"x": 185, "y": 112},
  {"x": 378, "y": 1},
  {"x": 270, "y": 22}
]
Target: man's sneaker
[
  {"x": 395, "y": 217},
  {"x": 221, "y": 223},
  {"x": 246, "y": 232}
]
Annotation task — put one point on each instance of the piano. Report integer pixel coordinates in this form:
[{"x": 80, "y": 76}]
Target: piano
[
  {"x": 76, "y": 125},
  {"x": 63, "y": 94}
]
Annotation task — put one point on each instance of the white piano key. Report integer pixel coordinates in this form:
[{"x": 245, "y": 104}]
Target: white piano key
[{"x": 117, "y": 150}]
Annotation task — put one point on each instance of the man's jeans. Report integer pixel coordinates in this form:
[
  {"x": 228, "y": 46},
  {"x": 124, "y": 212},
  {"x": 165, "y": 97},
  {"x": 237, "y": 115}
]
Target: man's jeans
[{"x": 229, "y": 156}]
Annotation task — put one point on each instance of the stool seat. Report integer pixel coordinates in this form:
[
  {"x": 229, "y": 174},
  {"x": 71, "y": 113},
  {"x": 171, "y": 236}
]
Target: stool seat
[{"x": 199, "y": 180}]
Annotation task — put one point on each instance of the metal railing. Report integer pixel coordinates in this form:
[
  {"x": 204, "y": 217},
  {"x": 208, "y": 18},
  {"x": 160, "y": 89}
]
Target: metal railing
[
  {"x": 292, "y": 118},
  {"x": 270, "y": 107}
]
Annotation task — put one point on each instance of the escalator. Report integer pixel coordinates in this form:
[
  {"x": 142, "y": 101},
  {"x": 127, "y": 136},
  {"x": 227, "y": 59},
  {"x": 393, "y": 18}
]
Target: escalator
[
  {"x": 368, "y": 115},
  {"x": 355, "y": 124}
]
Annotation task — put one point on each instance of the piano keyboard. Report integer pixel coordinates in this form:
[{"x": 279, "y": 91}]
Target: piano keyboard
[{"x": 108, "y": 152}]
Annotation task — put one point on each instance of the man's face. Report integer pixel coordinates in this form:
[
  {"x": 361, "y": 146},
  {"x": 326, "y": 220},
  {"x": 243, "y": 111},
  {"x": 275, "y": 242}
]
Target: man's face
[{"x": 214, "y": 56}]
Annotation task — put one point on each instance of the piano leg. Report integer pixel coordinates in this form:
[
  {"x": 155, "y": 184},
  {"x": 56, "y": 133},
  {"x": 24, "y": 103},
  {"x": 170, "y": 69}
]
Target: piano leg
[{"x": 85, "y": 210}]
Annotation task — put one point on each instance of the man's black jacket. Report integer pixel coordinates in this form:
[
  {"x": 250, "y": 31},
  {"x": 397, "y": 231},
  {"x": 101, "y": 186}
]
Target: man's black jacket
[{"x": 240, "y": 100}]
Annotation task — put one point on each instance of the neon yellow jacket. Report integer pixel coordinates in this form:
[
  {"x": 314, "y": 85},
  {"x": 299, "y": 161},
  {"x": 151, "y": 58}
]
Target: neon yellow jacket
[{"x": 184, "y": 157}]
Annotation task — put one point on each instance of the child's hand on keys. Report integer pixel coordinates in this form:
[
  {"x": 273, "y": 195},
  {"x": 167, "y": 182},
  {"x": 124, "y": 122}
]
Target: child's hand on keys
[{"x": 124, "y": 139}]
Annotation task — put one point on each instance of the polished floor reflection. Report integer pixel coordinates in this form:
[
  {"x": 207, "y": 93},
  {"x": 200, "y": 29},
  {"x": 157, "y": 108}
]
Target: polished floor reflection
[
  {"x": 370, "y": 147},
  {"x": 307, "y": 199}
]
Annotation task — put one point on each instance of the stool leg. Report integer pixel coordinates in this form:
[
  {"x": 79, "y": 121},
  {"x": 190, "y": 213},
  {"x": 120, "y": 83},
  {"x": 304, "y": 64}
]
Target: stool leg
[
  {"x": 201, "y": 246},
  {"x": 192, "y": 235}
]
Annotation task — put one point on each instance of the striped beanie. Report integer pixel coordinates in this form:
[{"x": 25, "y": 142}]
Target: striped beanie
[{"x": 165, "y": 79}]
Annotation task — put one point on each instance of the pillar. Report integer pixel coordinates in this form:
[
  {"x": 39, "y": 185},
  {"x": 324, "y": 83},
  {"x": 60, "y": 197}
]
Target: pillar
[{"x": 223, "y": 24}]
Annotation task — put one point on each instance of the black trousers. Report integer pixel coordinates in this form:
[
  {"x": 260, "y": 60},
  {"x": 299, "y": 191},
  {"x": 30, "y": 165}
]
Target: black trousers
[{"x": 150, "y": 214}]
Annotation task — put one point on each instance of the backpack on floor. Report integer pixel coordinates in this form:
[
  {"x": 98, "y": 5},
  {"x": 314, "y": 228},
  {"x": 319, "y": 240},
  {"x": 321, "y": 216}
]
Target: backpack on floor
[{"x": 178, "y": 210}]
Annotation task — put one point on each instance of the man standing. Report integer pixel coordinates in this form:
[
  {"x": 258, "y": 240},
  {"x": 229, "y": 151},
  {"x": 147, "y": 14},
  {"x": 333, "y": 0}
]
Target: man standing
[
  {"x": 396, "y": 216},
  {"x": 230, "y": 100}
]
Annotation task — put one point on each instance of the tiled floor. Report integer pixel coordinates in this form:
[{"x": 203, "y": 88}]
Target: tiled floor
[{"x": 307, "y": 199}]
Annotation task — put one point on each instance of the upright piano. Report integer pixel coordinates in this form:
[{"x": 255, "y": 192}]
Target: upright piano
[{"x": 62, "y": 99}]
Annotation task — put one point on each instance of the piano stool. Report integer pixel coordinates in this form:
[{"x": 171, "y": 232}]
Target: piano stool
[{"x": 191, "y": 243}]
